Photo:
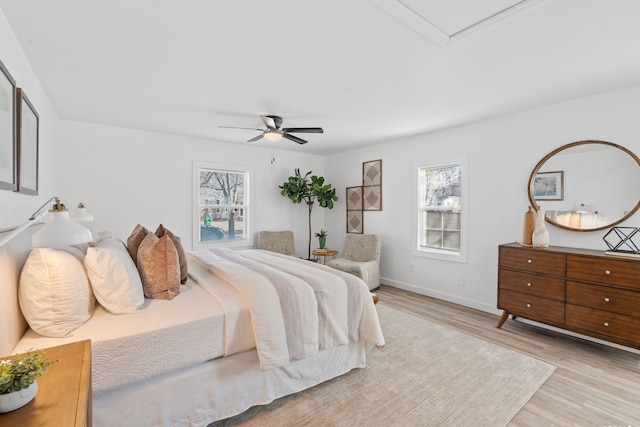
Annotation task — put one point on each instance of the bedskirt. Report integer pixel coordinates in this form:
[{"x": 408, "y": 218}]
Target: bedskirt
[{"x": 218, "y": 389}]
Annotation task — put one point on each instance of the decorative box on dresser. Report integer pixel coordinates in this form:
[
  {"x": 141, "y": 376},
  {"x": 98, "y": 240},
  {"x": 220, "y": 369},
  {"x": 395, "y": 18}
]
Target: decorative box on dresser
[{"x": 580, "y": 290}]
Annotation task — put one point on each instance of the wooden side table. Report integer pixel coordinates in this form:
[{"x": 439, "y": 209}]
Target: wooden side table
[
  {"x": 324, "y": 253},
  {"x": 64, "y": 391}
]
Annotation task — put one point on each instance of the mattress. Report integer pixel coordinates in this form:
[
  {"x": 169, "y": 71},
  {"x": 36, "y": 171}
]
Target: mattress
[{"x": 164, "y": 336}]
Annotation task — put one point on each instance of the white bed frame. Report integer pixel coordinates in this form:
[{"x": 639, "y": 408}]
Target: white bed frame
[{"x": 195, "y": 396}]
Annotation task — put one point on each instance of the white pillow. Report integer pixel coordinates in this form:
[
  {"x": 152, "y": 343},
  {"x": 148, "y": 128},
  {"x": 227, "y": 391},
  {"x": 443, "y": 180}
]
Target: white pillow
[
  {"x": 114, "y": 277},
  {"x": 54, "y": 291}
]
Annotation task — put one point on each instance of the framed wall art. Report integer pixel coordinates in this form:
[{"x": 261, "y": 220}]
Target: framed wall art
[
  {"x": 355, "y": 220},
  {"x": 8, "y": 148},
  {"x": 548, "y": 186},
  {"x": 372, "y": 185},
  {"x": 27, "y": 141}
]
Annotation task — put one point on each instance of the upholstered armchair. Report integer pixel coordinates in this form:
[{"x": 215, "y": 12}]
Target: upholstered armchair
[
  {"x": 361, "y": 257},
  {"x": 277, "y": 241}
]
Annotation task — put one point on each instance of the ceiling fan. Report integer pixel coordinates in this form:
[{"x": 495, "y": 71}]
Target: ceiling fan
[{"x": 274, "y": 133}]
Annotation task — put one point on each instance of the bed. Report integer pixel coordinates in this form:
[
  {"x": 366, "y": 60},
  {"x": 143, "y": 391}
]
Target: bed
[{"x": 246, "y": 328}]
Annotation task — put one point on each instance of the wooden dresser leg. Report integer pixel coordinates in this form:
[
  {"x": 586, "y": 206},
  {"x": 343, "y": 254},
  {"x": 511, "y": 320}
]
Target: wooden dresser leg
[{"x": 503, "y": 318}]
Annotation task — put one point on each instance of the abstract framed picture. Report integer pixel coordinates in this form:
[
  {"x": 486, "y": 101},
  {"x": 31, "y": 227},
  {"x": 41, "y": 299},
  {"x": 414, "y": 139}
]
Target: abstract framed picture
[
  {"x": 372, "y": 185},
  {"x": 354, "y": 210},
  {"x": 355, "y": 222},
  {"x": 27, "y": 141},
  {"x": 372, "y": 172},
  {"x": 548, "y": 186},
  {"x": 8, "y": 148}
]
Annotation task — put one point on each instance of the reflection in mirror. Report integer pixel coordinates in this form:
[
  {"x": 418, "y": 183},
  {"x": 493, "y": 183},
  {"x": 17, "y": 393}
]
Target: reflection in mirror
[{"x": 586, "y": 185}]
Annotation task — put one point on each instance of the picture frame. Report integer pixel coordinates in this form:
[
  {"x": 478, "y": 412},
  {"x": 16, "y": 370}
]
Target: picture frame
[
  {"x": 372, "y": 185},
  {"x": 355, "y": 220},
  {"x": 8, "y": 141},
  {"x": 548, "y": 186},
  {"x": 28, "y": 125}
]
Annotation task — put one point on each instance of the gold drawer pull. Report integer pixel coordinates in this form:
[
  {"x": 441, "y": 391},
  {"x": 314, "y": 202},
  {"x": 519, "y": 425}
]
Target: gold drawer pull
[
  {"x": 606, "y": 299},
  {"x": 607, "y": 272},
  {"x": 528, "y": 305},
  {"x": 529, "y": 261},
  {"x": 606, "y": 323},
  {"x": 528, "y": 284}
]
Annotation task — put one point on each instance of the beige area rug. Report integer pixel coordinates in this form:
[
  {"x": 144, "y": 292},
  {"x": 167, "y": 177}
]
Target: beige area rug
[{"x": 426, "y": 375}]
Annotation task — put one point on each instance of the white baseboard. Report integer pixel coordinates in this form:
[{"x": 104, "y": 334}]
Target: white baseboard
[{"x": 442, "y": 295}]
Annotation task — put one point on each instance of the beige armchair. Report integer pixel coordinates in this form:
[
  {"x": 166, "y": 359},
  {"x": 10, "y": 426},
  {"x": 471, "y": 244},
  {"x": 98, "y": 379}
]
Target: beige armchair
[
  {"x": 277, "y": 241},
  {"x": 361, "y": 257}
]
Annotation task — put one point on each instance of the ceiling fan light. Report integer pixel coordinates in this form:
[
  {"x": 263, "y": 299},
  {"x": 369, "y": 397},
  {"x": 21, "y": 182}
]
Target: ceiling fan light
[{"x": 272, "y": 135}]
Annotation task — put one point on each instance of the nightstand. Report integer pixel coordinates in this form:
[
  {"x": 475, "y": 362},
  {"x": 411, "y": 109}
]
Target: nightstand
[{"x": 64, "y": 391}]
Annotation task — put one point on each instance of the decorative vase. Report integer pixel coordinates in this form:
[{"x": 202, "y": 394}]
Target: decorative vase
[
  {"x": 322, "y": 242},
  {"x": 540, "y": 237},
  {"x": 17, "y": 399},
  {"x": 529, "y": 226}
]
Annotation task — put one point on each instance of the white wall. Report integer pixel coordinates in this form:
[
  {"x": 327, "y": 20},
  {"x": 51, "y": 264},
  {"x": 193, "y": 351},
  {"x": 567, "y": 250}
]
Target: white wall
[
  {"x": 126, "y": 177},
  {"x": 15, "y": 208},
  {"x": 502, "y": 153}
]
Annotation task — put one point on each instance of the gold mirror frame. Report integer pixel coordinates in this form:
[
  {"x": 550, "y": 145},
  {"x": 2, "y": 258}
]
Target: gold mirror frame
[{"x": 532, "y": 198}]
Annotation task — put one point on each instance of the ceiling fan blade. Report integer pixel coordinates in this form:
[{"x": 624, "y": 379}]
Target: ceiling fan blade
[
  {"x": 294, "y": 138},
  {"x": 255, "y": 138},
  {"x": 304, "y": 130},
  {"x": 235, "y": 127},
  {"x": 269, "y": 122}
]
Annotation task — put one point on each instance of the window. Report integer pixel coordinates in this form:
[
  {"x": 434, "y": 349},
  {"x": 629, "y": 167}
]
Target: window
[
  {"x": 222, "y": 205},
  {"x": 441, "y": 218}
]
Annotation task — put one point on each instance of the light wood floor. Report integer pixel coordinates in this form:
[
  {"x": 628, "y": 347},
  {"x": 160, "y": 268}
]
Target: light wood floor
[{"x": 593, "y": 384}]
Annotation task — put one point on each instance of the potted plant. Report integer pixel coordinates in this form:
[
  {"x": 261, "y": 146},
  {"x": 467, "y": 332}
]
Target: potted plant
[
  {"x": 18, "y": 375},
  {"x": 322, "y": 238},
  {"x": 308, "y": 189}
]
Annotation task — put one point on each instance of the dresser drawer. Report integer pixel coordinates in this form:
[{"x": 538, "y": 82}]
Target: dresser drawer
[
  {"x": 604, "y": 298},
  {"x": 532, "y": 284},
  {"x": 531, "y": 307},
  {"x": 604, "y": 270},
  {"x": 535, "y": 260},
  {"x": 603, "y": 322}
]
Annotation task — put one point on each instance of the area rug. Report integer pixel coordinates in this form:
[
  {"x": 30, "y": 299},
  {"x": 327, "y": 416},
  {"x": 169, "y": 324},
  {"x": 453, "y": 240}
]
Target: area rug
[{"x": 426, "y": 375}]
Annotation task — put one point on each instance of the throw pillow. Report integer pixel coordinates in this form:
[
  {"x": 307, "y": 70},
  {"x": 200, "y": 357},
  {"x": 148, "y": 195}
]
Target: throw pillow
[
  {"x": 114, "y": 278},
  {"x": 182, "y": 257},
  {"x": 54, "y": 292},
  {"x": 134, "y": 240},
  {"x": 159, "y": 267}
]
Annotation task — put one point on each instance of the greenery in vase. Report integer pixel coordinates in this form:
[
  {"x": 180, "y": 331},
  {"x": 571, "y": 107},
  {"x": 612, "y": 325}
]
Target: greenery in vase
[
  {"x": 322, "y": 233},
  {"x": 308, "y": 189},
  {"x": 20, "y": 371}
]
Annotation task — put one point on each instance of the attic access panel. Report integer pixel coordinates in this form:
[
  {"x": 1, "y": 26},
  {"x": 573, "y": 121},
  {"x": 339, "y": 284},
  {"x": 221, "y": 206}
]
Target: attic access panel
[{"x": 444, "y": 21}]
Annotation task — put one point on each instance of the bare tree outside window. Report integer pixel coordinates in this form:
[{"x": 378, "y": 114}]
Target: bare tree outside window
[
  {"x": 222, "y": 204},
  {"x": 441, "y": 208}
]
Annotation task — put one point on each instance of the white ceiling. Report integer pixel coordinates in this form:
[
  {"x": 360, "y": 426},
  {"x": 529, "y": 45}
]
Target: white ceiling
[{"x": 365, "y": 70}]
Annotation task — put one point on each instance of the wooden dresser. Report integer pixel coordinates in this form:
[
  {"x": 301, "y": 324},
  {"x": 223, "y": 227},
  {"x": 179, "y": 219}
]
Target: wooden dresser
[{"x": 580, "y": 290}]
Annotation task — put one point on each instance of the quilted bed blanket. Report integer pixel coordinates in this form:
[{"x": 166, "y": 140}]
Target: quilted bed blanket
[{"x": 297, "y": 307}]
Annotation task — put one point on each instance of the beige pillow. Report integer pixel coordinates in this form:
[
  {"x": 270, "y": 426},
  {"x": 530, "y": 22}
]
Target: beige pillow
[
  {"x": 114, "y": 278},
  {"x": 159, "y": 267},
  {"x": 182, "y": 257},
  {"x": 54, "y": 291},
  {"x": 134, "y": 240}
]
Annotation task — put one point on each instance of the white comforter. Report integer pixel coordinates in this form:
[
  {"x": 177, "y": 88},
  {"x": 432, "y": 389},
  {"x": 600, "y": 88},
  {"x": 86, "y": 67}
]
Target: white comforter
[{"x": 297, "y": 307}]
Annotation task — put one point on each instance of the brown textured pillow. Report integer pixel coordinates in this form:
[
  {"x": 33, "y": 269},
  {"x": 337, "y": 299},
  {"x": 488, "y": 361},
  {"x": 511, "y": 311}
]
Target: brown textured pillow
[
  {"x": 134, "y": 240},
  {"x": 159, "y": 267},
  {"x": 182, "y": 257}
]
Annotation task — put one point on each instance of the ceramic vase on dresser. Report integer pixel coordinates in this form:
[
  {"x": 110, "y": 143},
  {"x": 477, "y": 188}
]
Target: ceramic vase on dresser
[
  {"x": 540, "y": 236},
  {"x": 529, "y": 226}
]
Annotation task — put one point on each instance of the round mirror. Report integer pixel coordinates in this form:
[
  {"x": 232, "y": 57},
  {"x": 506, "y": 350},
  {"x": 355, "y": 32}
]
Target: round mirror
[{"x": 586, "y": 185}]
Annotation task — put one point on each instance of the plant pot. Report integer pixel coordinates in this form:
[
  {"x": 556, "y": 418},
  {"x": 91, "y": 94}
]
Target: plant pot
[
  {"x": 17, "y": 399},
  {"x": 322, "y": 242}
]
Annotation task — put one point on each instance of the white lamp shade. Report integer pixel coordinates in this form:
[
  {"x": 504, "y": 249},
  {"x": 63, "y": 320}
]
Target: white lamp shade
[
  {"x": 82, "y": 215},
  {"x": 61, "y": 231}
]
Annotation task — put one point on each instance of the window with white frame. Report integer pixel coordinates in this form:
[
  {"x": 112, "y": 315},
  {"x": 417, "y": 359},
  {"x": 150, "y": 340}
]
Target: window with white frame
[
  {"x": 221, "y": 211},
  {"x": 441, "y": 231}
]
